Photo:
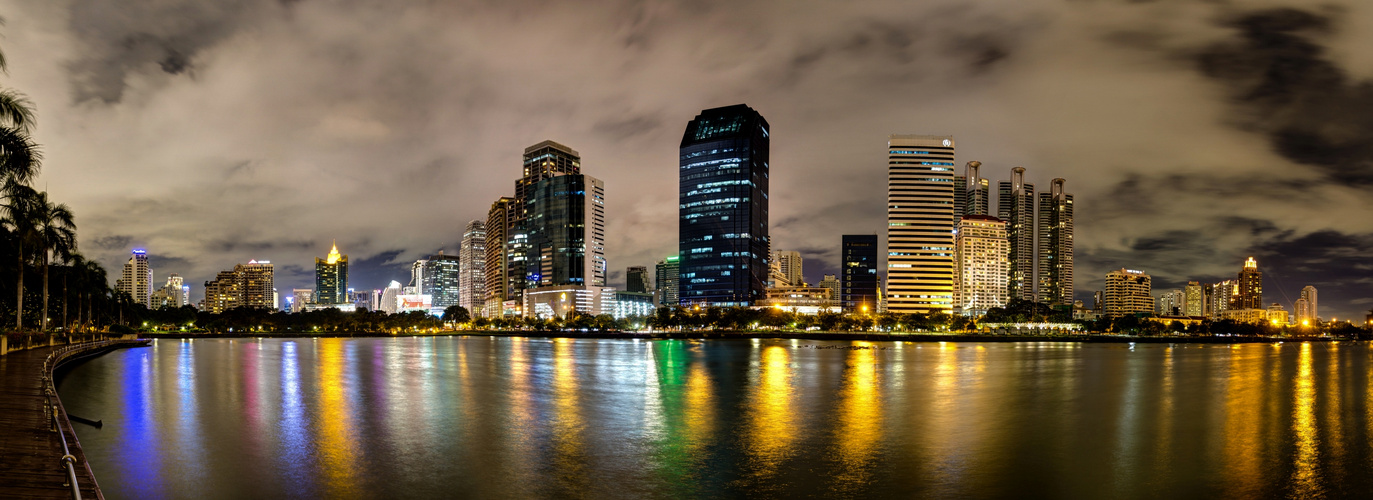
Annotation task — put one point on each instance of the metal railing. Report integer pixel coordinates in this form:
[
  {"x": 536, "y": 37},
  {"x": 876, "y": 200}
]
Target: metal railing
[{"x": 68, "y": 460}]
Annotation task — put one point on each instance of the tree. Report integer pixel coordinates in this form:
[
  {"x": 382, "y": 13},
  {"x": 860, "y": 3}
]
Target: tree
[
  {"x": 19, "y": 220},
  {"x": 456, "y": 314},
  {"x": 55, "y": 232}
]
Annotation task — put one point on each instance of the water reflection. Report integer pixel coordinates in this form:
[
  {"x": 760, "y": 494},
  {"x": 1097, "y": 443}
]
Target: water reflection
[
  {"x": 770, "y": 422},
  {"x": 1306, "y": 471},
  {"x": 569, "y": 460},
  {"x": 860, "y": 420}
]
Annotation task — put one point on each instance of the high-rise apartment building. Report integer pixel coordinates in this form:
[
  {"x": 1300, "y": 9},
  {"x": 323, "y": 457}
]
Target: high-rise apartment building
[
  {"x": 1055, "y": 223},
  {"x": 1249, "y": 295},
  {"x": 331, "y": 278},
  {"x": 1309, "y": 313},
  {"x": 1127, "y": 292},
  {"x": 637, "y": 281},
  {"x": 722, "y": 233},
  {"x": 1195, "y": 304},
  {"x": 1016, "y": 206},
  {"x": 1219, "y": 296},
  {"x": 858, "y": 291},
  {"x": 472, "y": 268},
  {"x": 1172, "y": 303},
  {"x": 246, "y": 285},
  {"x": 835, "y": 286},
  {"x": 173, "y": 294},
  {"x": 920, "y": 223},
  {"x": 137, "y": 278},
  {"x": 789, "y": 266},
  {"x": 666, "y": 280},
  {"x": 981, "y": 264},
  {"x": 504, "y": 280}
]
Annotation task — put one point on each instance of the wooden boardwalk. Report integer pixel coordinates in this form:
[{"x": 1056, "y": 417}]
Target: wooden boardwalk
[{"x": 30, "y": 451}]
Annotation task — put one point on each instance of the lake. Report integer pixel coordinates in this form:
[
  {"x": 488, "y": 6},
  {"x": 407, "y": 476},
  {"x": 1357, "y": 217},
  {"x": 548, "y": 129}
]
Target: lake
[{"x": 484, "y": 417}]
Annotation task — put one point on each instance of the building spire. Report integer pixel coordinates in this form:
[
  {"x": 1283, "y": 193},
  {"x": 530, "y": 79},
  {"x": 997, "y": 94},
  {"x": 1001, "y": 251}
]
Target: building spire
[{"x": 333, "y": 254}]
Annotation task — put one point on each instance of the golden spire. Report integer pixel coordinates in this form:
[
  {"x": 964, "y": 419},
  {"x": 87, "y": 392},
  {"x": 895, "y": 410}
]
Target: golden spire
[
  {"x": 333, "y": 254},
  {"x": 1250, "y": 264}
]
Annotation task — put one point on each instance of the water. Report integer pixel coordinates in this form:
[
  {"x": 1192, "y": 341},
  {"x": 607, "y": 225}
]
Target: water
[{"x": 521, "y": 418}]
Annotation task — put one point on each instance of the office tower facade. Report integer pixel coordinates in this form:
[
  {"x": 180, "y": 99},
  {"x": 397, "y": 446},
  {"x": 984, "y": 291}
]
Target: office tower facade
[
  {"x": 977, "y": 196},
  {"x": 441, "y": 279},
  {"x": 722, "y": 228},
  {"x": 637, "y": 281},
  {"x": 1016, "y": 206},
  {"x": 960, "y": 197},
  {"x": 389, "y": 300},
  {"x": 417, "y": 269},
  {"x": 666, "y": 281},
  {"x": 981, "y": 264},
  {"x": 836, "y": 288},
  {"x": 542, "y": 161},
  {"x": 858, "y": 290},
  {"x": 1055, "y": 228},
  {"x": 920, "y": 223},
  {"x": 1312, "y": 315},
  {"x": 331, "y": 278},
  {"x": 1249, "y": 294},
  {"x": 1128, "y": 292},
  {"x": 565, "y": 251},
  {"x": 472, "y": 268},
  {"x": 504, "y": 279},
  {"x": 137, "y": 278},
  {"x": 1194, "y": 300}
]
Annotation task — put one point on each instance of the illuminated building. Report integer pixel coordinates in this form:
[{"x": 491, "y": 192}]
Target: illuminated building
[
  {"x": 633, "y": 304},
  {"x": 503, "y": 278},
  {"x": 472, "y": 268},
  {"x": 977, "y": 196},
  {"x": 722, "y": 229},
  {"x": 172, "y": 295},
  {"x": 832, "y": 282},
  {"x": 789, "y": 264},
  {"x": 1016, "y": 206},
  {"x": 300, "y": 297},
  {"x": 920, "y": 224},
  {"x": 1055, "y": 223},
  {"x": 666, "y": 278},
  {"x": 1255, "y": 316},
  {"x": 1308, "y": 312},
  {"x": 565, "y": 250},
  {"x": 1250, "y": 291},
  {"x": 801, "y": 299},
  {"x": 137, "y": 278},
  {"x": 439, "y": 278},
  {"x": 1301, "y": 313},
  {"x": 981, "y": 266},
  {"x": 858, "y": 272},
  {"x": 331, "y": 278},
  {"x": 1172, "y": 303},
  {"x": 246, "y": 285},
  {"x": 390, "y": 298},
  {"x": 1194, "y": 300},
  {"x": 1219, "y": 296},
  {"x": 636, "y": 280},
  {"x": 1277, "y": 315},
  {"x": 1127, "y": 292},
  {"x": 364, "y": 300}
]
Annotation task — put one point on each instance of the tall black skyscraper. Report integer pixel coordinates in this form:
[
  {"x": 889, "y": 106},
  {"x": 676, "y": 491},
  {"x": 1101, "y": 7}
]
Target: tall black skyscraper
[
  {"x": 859, "y": 273},
  {"x": 723, "y": 212},
  {"x": 636, "y": 280}
]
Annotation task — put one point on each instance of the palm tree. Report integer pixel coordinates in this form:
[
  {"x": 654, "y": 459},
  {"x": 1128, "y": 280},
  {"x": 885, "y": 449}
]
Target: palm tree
[
  {"x": 18, "y": 216},
  {"x": 55, "y": 230},
  {"x": 97, "y": 284}
]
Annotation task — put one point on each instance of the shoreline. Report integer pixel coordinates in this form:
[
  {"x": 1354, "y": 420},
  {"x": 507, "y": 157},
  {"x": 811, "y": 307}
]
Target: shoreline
[{"x": 719, "y": 335}]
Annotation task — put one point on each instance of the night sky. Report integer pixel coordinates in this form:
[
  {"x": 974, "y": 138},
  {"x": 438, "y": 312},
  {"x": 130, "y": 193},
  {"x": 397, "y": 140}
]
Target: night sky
[{"x": 1192, "y": 133}]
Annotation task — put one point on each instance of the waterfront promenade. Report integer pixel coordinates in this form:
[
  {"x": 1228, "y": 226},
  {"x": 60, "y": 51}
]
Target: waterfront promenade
[{"x": 31, "y": 450}]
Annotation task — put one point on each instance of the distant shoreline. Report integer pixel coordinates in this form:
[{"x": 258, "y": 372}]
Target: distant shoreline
[{"x": 718, "y": 335}]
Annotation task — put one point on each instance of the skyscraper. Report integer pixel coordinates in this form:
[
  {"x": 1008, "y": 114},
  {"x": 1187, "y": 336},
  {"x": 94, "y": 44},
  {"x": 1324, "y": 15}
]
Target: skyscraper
[
  {"x": 666, "y": 280},
  {"x": 1310, "y": 313},
  {"x": 472, "y": 268},
  {"x": 981, "y": 266},
  {"x": 331, "y": 278},
  {"x": 723, "y": 208},
  {"x": 1016, "y": 206},
  {"x": 246, "y": 285},
  {"x": 440, "y": 280},
  {"x": 920, "y": 223},
  {"x": 977, "y": 197},
  {"x": 565, "y": 252},
  {"x": 858, "y": 290},
  {"x": 636, "y": 280},
  {"x": 1219, "y": 296},
  {"x": 789, "y": 263},
  {"x": 503, "y": 278},
  {"x": 835, "y": 287},
  {"x": 1127, "y": 292},
  {"x": 1250, "y": 282},
  {"x": 137, "y": 278},
  {"x": 1056, "y": 245}
]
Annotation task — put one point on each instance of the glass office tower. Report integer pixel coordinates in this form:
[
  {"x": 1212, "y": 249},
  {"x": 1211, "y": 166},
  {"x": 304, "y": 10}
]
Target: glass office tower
[{"x": 723, "y": 211}]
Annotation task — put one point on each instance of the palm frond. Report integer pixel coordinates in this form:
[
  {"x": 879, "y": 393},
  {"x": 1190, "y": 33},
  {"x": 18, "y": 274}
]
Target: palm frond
[
  {"x": 20, "y": 158},
  {"x": 16, "y": 110}
]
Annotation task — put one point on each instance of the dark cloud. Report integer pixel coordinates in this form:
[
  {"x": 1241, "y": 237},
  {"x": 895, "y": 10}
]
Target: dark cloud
[
  {"x": 1279, "y": 73},
  {"x": 115, "y": 242}
]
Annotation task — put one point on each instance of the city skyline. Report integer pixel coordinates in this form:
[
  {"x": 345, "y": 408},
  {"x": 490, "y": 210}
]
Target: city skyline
[{"x": 1095, "y": 116}]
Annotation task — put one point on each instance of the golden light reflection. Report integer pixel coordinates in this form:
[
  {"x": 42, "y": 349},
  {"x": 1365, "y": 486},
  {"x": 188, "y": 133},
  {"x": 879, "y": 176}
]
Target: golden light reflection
[
  {"x": 860, "y": 420},
  {"x": 1243, "y": 395},
  {"x": 1333, "y": 445},
  {"x": 700, "y": 408},
  {"x": 1306, "y": 481},
  {"x": 336, "y": 447},
  {"x": 771, "y": 419},
  {"x": 568, "y": 426},
  {"x": 1165, "y": 411}
]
